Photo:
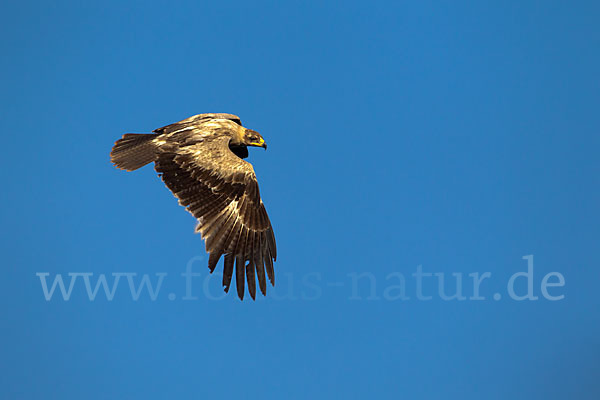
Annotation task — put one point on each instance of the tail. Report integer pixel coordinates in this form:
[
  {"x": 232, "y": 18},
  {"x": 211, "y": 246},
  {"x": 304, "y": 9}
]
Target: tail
[{"x": 134, "y": 150}]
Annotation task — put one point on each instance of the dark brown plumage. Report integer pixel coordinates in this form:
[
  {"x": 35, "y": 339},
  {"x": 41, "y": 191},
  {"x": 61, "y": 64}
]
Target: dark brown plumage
[{"x": 200, "y": 161}]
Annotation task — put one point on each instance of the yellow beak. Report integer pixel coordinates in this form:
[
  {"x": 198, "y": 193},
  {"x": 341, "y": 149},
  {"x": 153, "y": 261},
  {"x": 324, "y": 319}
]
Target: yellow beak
[{"x": 260, "y": 143}]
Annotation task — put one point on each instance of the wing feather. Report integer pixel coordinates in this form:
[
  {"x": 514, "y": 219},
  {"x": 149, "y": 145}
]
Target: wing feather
[
  {"x": 239, "y": 275},
  {"x": 227, "y": 271},
  {"x": 259, "y": 264}
]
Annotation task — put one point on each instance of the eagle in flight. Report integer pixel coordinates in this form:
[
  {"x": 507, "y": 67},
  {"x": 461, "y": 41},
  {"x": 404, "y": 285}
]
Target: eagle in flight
[{"x": 200, "y": 159}]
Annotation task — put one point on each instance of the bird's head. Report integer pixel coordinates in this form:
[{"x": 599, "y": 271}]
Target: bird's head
[{"x": 253, "y": 138}]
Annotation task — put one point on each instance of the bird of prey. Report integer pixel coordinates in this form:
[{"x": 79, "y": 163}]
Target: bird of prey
[{"x": 200, "y": 159}]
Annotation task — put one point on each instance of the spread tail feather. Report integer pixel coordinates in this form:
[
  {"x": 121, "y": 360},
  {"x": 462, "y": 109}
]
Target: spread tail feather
[{"x": 134, "y": 150}]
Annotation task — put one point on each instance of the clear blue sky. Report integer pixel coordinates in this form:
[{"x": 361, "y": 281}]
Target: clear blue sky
[{"x": 455, "y": 136}]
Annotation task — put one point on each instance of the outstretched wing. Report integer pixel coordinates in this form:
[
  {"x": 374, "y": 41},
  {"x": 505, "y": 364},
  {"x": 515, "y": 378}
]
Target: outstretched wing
[
  {"x": 193, "y": 122},
  {"x": 221, "y": 191}
]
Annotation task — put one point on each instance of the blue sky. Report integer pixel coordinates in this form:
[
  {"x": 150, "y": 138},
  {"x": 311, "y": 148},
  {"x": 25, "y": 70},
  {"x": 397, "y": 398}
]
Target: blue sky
[{"x": 455, "y": 136}]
